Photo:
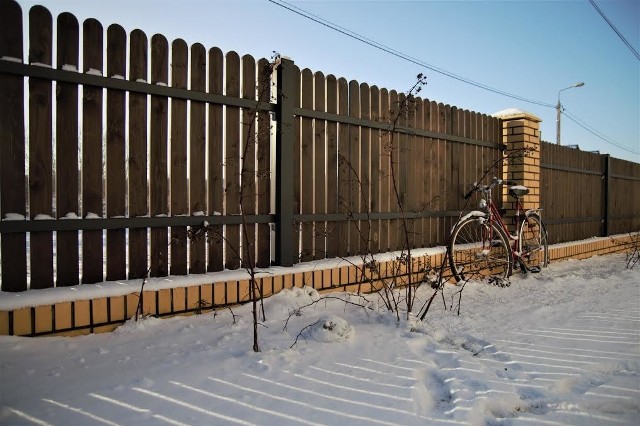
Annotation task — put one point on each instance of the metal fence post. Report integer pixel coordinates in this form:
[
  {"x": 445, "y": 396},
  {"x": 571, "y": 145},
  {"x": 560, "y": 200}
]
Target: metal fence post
[{"x": 285, "y": 250}]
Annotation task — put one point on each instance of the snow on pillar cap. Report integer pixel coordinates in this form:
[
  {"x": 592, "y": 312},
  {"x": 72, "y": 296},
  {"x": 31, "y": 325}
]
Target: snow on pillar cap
[{"x": 515, "y": 114}]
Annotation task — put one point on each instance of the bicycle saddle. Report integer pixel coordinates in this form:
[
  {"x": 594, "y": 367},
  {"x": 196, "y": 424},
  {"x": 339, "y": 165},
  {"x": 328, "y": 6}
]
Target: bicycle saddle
[{"x": 518, "y": 191}]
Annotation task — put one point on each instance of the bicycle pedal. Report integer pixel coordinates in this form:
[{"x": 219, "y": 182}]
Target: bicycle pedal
[
  {"x": 535, "y": 269},
  {"x": 523, "y": 267}
]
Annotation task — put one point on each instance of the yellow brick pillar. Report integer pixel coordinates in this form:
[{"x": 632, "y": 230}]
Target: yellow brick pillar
[{"x": 521, "y": 135}]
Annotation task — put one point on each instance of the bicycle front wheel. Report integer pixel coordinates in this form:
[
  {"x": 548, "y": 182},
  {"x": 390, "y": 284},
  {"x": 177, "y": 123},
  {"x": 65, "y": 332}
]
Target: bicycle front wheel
[
  {"x": 479, "y": 250},
  {"x": 534, "y": 249}
]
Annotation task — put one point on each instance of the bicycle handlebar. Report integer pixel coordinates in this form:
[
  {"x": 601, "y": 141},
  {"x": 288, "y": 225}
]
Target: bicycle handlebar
[{"x": 486, "y": 188}]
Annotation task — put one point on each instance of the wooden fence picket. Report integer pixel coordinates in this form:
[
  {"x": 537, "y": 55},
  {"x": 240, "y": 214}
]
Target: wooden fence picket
[
  {"x": 403, "y": 168},
  {"x": 215, "y": 192},
  {"x": 67, "y": 150},
  {"x": 343, "y": 168},
  {"x": 417, "y": 156},
  {"x": 297, "y": 128},
  {"x": 116, "y": 152},
  {"x": 138, "y": 192},
  {"x": 375, "y": 176},
  {"x": 232, "y": 160},
  {"x": 40, "y": 146},
  {"x": 469, "y": 158},
  {"x": 353, "y": 169},
  {"x": 320, "y": 173},
  {"x": 264, "y": 166},
  {"x": 428, "y": 166},
  {"x": 248, "y": 159},
  {"x": 385, "y": 171},
  {"x": 158, "y": 200},
  {"x": 306, "y": 166},
  {"x": 12, "y": 150},
  {"x": 178, "y": 152},
  {"x": 395, "y": 239},
  {"x": 333, "y": 235},
  {"x": 92, "y": 203},
  {"x": 197, "y": 155},
  {"x": 364, "y": 189}
]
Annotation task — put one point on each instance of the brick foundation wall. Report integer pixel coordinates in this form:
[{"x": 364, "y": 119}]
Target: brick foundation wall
[{"x": 104, "y": 314}]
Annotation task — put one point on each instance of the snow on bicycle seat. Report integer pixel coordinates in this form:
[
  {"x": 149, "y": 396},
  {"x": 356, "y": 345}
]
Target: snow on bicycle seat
[{"x": 518, "y": 190}]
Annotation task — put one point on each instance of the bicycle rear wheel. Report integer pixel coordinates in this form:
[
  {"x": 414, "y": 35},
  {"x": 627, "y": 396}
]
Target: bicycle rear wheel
[
  {"x": 480, "y": 251},
  {"x": 534, "y": 249}
]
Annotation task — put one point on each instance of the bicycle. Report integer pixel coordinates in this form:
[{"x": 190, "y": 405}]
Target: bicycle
[{"x": 481, "y": 246}]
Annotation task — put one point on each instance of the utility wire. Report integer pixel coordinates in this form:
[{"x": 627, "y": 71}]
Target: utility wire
[
  {"x": 399, "y": 54},
  {"x": 613, "y": 27},
  {"x": 596, "y": 133},
  {"x": 319, "y": 20}
]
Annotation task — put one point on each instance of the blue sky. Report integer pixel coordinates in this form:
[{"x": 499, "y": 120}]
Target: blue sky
[{"x": 529, "y": 48}]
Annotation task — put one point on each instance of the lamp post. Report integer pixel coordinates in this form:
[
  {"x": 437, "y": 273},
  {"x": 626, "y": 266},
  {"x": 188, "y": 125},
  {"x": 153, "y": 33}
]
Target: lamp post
[{"x": 559, "y": 110}]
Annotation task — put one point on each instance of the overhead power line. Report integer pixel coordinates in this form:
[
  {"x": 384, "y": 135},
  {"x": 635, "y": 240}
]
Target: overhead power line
[
  {"x": 363, "y": 39},
  {"x": 597, "y": 133},
  {"x": 401, "y": 55},
  {"x": 613, "y": 27}
]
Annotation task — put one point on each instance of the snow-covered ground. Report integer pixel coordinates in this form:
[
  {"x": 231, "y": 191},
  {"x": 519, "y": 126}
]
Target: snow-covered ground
[{"x": 561, "y": 347}]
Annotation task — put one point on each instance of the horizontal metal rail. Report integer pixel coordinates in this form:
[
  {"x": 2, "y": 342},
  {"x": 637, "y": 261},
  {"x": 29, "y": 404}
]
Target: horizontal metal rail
[
  {"x": 48, "y": 225},
  {"x": 340, "y": 217},
  {"x": 343, "y": 119},
  {"x": 616, "y": 176},
  {"x": 46, "y": 73},
  {"x": 549, "y": 166},
  {"x": 566, "y": 220},
  {"x": 15, "y": 226}
]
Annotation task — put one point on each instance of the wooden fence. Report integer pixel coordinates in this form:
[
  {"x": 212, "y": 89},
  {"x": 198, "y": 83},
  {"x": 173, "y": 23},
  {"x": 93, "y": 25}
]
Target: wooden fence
[
  {"x": 116, "y": 166},
  {"x": 587, "y": 194}
]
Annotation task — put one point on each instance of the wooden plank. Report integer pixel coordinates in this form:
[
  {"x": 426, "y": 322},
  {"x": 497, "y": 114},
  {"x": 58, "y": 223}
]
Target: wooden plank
[
  {"x": 417, "y": 156},
  {"x": 374, "y": 201},
  {"x": 457, "y": 161},
  {"x": 306, "y": 166},
  {"x": 67, "y": 151},
  {"x": 353, "y": 164},
  {"x": 232, "y": 160},
  {"x": 470, "y": 162},
  {"x": 320, "y": 172},
  {"x": 385, "y": 171},
  {"x": 179, "y": 190},
  {"x": 448, "y": 186},
  {"x": 428, "y": 167},
  {"x": 40, "y": 147},
  {"x": 395, "y": 239},
  {"x": 333, "y": 236},
  {"x": 116, "y": 152},
  {"x": 92, "y": 202},
  {"x": 264, "y": 164},
  {"x": 343, "y": 168},
  {"x": 12, "y": 150},
  {"x": 158, "y": 185},
  {"x": 296, "y": 162},
  {"x": 197, "y": 150},
  {"x": 401, "y": 172},
  {"x": 365, "y": 170},
  {"x": 413, "y": 200},
  {"x": 215, "y": 193},
  {"x": 138, "y": 181},
  {"x": 248, "y": 159}
]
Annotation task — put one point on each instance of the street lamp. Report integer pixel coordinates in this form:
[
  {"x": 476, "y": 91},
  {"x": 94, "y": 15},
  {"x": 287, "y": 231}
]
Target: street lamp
[{"x": 559, "y": 109}]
